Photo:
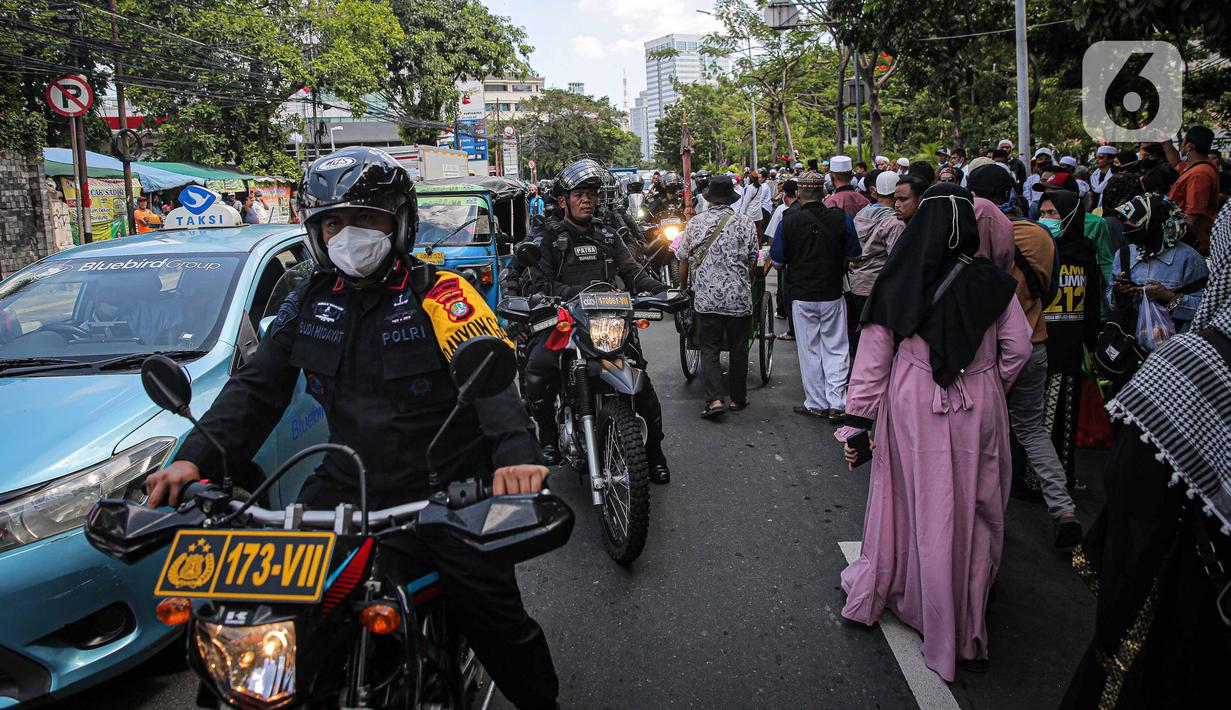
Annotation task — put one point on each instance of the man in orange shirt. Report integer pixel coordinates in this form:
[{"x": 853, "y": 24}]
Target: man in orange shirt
[
  {"x": 145, "y": 218},
  {"x": 1196, "y": 192}
]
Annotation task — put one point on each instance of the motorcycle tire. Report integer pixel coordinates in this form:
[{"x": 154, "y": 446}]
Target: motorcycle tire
[{"x": 626, "y": 477}]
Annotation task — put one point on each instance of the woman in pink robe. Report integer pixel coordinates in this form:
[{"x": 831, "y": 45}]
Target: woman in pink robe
[{"x": 934, "y": 526}]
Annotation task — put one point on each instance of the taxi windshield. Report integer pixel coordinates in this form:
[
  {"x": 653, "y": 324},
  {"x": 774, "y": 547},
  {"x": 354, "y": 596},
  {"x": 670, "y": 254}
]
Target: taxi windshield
[
  {"x": 439, "y": 215},
  {"x": 85, "y": 310}
]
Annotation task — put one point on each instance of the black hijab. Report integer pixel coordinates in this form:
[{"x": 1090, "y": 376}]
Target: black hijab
[
  {"x": 1072, "y": 242},
  {"x": 942, "y": 230}
]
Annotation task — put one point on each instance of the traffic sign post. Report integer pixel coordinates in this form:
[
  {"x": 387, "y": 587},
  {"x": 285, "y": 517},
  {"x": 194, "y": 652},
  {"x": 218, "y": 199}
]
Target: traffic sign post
[
  {"x": 71, "y": 96},
  {"x": 127, "y": 147}
]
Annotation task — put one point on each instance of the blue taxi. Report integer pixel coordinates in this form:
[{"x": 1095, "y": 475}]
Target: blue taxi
[
  {"x": 77, "y": 426},
  {"x": 469, "y": 225}
]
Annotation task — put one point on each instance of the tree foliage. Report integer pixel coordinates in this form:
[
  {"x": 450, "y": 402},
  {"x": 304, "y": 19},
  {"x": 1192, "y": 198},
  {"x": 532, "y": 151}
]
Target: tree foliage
[{"x": 556, "y": 127}]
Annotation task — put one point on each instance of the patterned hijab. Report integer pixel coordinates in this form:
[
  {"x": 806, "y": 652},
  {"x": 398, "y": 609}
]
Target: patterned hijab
[
  {"x": 1152, "y": 223},
  {"x": 1181, "y": 396}
]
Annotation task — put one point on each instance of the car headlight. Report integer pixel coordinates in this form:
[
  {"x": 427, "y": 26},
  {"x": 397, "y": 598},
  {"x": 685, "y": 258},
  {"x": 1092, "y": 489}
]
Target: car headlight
[
  {"x": 607, "y": 333},
  {"x": 64, "y": 503},
  {"x": 251, "y": 665}
]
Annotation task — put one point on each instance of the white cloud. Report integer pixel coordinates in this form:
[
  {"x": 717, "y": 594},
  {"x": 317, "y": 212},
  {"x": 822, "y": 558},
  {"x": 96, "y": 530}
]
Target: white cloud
[{"x": 588, "y": 47}]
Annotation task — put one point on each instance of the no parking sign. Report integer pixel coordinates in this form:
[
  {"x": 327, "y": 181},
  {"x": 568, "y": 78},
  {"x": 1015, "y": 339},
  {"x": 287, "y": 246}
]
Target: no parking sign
[{"x": 70, "y": 95}]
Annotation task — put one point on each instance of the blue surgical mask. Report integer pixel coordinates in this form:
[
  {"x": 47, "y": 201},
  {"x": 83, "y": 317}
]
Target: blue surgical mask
[{"x": 1053, "y": 226}]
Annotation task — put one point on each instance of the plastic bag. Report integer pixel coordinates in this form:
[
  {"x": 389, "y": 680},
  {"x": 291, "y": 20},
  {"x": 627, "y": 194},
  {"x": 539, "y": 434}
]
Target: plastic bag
[{"x": 1154, "y": 325}]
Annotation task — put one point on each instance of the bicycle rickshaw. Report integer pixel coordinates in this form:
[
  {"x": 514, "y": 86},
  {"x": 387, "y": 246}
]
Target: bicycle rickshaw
[{"x": 761, "y": 332}]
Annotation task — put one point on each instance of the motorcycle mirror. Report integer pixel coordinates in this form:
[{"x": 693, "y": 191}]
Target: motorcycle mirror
[
  {"x": 506, "y": 529},
  {"x": 528, "y": 254},
  {"x": 166, "y": 383},
  {"x": 483, "y": 366}
]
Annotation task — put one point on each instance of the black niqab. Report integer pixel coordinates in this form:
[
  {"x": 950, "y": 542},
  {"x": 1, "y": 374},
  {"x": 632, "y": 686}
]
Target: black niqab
[{"x": 942, "y": 229}]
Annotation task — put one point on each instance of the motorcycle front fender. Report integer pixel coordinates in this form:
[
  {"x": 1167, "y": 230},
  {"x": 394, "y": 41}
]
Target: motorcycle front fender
[{"x": 622, "y": 376}]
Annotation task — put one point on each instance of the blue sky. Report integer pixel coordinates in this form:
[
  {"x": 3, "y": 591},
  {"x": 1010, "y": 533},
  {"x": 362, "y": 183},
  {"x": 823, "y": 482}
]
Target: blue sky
[{"x": 594, "y": 41}]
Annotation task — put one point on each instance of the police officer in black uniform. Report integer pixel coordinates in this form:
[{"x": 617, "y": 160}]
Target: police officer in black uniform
[
  {"x": 667, "y": 198},
  {"x": 577, "y": 251},
  {"x": 364, "y": 331}
]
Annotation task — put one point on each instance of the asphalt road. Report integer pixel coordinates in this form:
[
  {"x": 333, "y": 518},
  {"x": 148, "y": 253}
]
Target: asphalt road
[{"x": 736, "y": 601}]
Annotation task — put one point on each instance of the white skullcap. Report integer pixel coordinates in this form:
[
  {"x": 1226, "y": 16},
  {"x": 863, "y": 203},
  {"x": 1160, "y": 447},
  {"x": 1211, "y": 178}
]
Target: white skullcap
[
  {"x": 885, "y": 182},
  {"x": 1107, "y": 150},
  {"x": 904, "y": 162},
  {"x": 1005, "y": 141},
  {"x": 840, "y": 164},
  {"x": 880, "y": 159},
  {"x": 1069, "y": 161}
]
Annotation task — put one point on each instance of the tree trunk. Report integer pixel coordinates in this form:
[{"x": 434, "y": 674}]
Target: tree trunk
[
  {"x": 844, "y": 56},
  {"x": 790, "y": 144},
  {"x": 873, "y": 97},
  {"x": 955, "y": 112},
  {"x": 774, "y": 108}
]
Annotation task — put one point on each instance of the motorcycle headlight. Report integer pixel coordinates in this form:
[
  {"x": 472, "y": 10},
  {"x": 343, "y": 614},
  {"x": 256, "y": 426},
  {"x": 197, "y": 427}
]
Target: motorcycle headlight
[
  {"x": 641, "y": 213},
  {"x": 608, "y": 333},
  {"x": 670, "y": 232},
  {"x": 64, "y": 503},
  {"x": 251, "y": 665}
]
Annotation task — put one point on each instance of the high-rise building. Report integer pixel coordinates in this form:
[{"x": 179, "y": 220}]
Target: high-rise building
[
  {"x": 636, "y": 120},
  {"x": 685, "y": 64}
]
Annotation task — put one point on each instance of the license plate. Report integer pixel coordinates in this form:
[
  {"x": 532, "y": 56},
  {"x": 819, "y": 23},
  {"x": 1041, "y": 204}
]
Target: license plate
[
  {"x": 436, "y": 257},
  {"x": 602, "y": 301},
  {"x": 544, "y": 325},
  {"x": 263, "y": 565},
  {"x": 647, "y": 315}
]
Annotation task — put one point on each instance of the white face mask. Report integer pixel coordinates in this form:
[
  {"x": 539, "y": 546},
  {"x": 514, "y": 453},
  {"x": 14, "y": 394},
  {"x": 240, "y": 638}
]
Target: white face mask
[{"x": 359, "y": 252}]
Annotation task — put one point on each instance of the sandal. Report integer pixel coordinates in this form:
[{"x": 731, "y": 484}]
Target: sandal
[
  {"x": 713, "y": 412},
  {"x": 786, "y": 336},
  {"x": 737, "y": 406}
]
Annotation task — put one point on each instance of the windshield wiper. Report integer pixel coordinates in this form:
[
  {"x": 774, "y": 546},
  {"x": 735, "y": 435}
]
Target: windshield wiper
[
  {"x": 29, "y": 365},
  {"x": 459, "y": 228},
  {"x": 125, "y": 362}
]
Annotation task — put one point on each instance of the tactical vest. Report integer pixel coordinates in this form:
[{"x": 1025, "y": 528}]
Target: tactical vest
[{"x": 585, "y": 259}]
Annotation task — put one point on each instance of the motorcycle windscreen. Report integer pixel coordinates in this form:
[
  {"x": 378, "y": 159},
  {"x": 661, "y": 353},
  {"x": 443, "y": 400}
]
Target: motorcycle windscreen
[{"x": 508, "y": 529}]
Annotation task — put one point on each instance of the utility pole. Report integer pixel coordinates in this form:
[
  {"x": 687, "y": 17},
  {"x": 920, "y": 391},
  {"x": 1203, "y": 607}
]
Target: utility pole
[
  {"x": 1023, "y": 91},
  {"x": 753, "y": 103},
  {"x": 85, "y": 226},
  {"x": 120, "y": 109}
]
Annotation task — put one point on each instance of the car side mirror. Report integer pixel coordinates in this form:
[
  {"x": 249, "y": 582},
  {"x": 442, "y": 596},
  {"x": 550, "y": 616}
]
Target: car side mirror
[
  {"x": 528, "y": 254},
  {"x": 264, "y": 325},
  {"x": 166, "y": 383},
  {"x": 483, "y": 366}
]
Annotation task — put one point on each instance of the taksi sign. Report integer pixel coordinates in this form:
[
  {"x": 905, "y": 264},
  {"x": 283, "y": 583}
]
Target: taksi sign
[{"x": 201, "y": 208}]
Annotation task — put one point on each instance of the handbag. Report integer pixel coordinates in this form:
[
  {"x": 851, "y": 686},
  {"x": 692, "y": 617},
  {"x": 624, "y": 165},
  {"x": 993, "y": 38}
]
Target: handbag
[
  {"x": 687, "y": 321},
  {"x": 1116, "y": 351}
]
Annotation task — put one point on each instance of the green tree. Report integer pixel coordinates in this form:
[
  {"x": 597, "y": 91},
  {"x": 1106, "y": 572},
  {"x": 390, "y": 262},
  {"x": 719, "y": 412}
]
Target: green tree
[
  {"x": 444, "y": 41},
  {"x": 557, "y": 126}
]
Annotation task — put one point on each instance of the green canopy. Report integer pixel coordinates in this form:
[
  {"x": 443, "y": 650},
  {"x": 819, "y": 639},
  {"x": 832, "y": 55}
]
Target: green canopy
[{"x": 202, "y": 171}]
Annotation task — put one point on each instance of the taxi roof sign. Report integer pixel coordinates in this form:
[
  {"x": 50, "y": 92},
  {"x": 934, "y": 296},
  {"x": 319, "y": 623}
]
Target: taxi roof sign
[{"x": 201, "y": 208}]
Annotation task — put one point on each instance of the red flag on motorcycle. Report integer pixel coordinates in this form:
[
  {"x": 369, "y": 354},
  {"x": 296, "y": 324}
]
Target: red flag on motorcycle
[{"x": 686, "y": 153}]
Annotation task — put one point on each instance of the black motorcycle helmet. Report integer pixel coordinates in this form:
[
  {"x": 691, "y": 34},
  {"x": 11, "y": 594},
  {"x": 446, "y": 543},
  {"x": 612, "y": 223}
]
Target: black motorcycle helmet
[
  {"x": 583, "y": 174},
  {"x": 635, "y": 185},
  {"x": 672, "y": 182},
  {"x": 703, "y": 179},
  {"x": 358, "y": 177}
]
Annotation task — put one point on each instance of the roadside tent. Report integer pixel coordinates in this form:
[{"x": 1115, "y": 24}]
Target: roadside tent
[
  {"x": 152, "y": 179},
  {"x": 218, "y": 179}
]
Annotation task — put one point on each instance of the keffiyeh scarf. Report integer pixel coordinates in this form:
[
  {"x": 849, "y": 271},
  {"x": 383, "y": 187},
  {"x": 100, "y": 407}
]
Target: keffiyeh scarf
[{"x": 1181, "y": 396}]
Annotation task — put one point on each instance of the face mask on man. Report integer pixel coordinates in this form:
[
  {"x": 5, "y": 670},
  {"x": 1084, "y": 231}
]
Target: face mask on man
[{"x": 359, "y": 252}]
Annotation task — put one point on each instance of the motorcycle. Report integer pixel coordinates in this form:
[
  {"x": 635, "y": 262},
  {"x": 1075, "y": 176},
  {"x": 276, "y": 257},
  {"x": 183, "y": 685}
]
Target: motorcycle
[
  {"x": 657, "y": 240},
  {"x": 600, "y": 432},
  {"x": 276, "y": 616}
]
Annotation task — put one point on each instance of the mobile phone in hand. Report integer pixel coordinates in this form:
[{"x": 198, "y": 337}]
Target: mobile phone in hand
[{"x": 862, "y": 445}]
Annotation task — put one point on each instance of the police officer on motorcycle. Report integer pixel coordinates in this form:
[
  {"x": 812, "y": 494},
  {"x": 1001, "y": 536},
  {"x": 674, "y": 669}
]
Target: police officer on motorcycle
[
  {"x": 372, "y": 330},
  {"x": 577, "y": 250},
  {"x": 668, "y": 198}
]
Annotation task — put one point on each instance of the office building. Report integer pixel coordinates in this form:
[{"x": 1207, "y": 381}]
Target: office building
[{"x": 685, "y": 65}]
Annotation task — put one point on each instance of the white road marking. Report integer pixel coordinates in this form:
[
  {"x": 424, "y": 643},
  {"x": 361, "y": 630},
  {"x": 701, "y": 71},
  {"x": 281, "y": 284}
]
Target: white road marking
[{"x": 931, "y": 691}]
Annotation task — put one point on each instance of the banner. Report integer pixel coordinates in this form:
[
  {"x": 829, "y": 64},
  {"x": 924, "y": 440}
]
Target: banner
[
  {"x": 108, "y": 214},
  {"x": 228, "y": 185},
  {"x": 279, "y": 201}
]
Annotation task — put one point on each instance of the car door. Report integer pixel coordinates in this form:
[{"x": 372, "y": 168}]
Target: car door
[{"x": 303, "y": 423}]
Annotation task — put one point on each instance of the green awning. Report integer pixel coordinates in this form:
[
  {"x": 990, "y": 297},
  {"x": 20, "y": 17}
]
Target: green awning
[
  {"x": 54, "y": 169},
  {"x": 204, "y": 171}
]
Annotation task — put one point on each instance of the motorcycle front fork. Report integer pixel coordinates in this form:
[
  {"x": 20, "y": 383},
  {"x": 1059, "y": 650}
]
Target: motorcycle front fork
[{"x": 585, "y": 408}]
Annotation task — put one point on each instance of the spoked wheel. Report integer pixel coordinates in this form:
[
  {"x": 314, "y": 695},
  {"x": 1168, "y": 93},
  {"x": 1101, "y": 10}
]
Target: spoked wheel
[
  {"x": 690, "y": 358},
  {"x": 626, "y": 482},
  {"x": 766, "y": 337}
]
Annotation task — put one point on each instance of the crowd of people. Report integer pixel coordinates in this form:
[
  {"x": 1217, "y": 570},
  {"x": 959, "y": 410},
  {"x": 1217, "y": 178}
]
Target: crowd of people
[
  {"x": 254, "y": 207},
  {"x": 954, "y": 318}
]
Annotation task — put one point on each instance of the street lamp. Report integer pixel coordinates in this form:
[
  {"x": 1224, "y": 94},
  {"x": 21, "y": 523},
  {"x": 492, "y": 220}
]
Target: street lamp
[{"x": 332, "y": 130}]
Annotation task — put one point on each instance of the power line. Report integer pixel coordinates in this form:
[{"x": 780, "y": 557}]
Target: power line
[{"x": 996, "y": 32}]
